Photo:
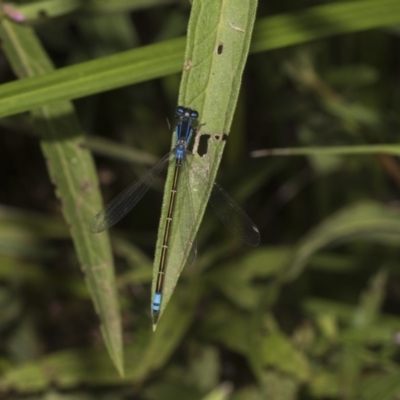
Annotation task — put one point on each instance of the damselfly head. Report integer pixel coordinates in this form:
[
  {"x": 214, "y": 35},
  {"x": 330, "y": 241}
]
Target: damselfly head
[{"x": 185, "y": 112}]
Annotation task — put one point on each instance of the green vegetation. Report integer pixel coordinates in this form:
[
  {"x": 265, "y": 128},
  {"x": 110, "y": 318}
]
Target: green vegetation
[{"x": 308, "y": 100}]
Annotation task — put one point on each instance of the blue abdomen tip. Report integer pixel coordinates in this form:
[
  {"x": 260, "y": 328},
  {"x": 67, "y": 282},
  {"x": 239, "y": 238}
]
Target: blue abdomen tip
[{"x": 156, "y": 302}]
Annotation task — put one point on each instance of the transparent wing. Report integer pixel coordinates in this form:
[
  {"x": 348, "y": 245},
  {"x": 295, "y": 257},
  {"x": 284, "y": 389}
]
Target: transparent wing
[
  {"x": 193, "y": 253},
  {"x": 117, "y": 208},
  {"x": 233, "y": 217}
]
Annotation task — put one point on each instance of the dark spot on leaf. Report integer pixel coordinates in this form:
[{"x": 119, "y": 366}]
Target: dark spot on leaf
[
  {"x": 220, "y": 48},
  {"x": 203, "y": 145},
  {"x": 221, "y": 138}
]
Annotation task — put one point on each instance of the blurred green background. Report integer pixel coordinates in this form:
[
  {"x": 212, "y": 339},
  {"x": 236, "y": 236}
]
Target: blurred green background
[{"x": 313, "y": 313}]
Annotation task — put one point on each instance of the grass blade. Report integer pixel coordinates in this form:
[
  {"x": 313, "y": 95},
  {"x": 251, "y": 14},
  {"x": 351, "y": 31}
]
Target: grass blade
[
  {"x": 71, "y": 169},
  {"x": 165, "y": 58}
]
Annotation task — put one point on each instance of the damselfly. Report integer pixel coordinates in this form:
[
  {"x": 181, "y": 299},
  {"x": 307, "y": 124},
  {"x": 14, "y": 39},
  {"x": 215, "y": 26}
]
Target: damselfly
[{"x": 224, "y": 206}]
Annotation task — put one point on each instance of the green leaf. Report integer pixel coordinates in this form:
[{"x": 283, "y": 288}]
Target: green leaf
[
  {"x": 380, "y": 386},
  {"x": 162, "y": 59},
  {"x": 371, "y": 300},
  {"x": 71, "y": 169},
  {"x": 96, "y": 76},
  {"x": 121, "y": 5},
  {"x": 324, "y": 384},
  {"x": 387, "y": 148},
  {"x": 241, "y": 287},
  {"x": 205, "y": 367},
  {"x": 73, "y": 368},
  {"x": 227, "y": 325},
  {"x": 217, "y": 47},
  {"x": 324, "y": 21},
  {"x": 248, "y": 393},
  {"x": 368, "y": 221},
  {"x": 279, "y": 386},
  {"x": 276, "y": 351},
  {"x": 40, "y": 9},
  {"x": 26, "y": 234},
  {"x": 380, "y": 331},
  {"x": 222, "y": 392}
]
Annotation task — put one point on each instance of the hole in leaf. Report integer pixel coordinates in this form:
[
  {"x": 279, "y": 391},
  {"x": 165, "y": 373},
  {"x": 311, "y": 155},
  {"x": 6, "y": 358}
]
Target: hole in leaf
[{"x": 203, "y": 145}]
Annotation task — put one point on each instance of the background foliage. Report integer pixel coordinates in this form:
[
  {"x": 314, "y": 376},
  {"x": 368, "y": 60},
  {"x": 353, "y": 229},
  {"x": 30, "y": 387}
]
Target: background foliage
[{"x": 312, "y": 313}]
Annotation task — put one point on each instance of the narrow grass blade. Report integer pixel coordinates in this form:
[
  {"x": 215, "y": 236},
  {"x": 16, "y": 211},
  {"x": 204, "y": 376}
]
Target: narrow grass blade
[
  {"x": 165, "y": 58},
  {"x": 324, "y": 21},
  {"x": 368, "y": 221},
  {"x": 387, "y": 148},
  {"x": 72, "y": 171}
]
